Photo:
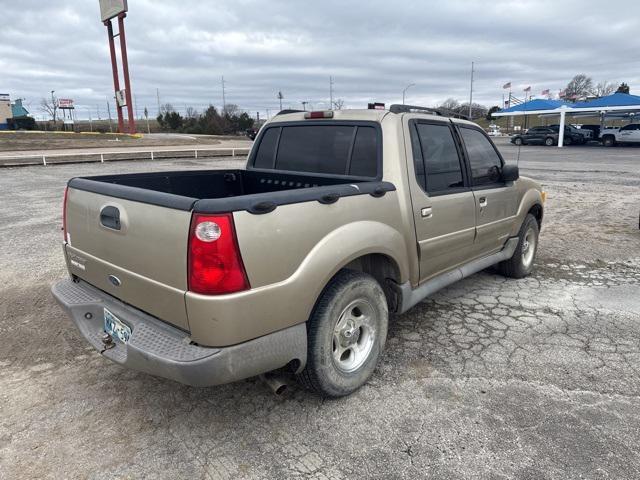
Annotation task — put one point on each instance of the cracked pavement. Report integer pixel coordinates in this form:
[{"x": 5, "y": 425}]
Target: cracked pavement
[{"x": 490, "y": 378}]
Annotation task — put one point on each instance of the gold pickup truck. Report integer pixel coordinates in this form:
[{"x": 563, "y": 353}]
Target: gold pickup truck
[{"x": 295, "y": 263}]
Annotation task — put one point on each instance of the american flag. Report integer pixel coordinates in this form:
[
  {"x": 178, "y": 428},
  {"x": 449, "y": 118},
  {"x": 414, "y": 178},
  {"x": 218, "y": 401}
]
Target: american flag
[
  {"x": 528, "y": 89},
  {"x": 507, "y": 85},
  {"x": 545, "y": 92}
]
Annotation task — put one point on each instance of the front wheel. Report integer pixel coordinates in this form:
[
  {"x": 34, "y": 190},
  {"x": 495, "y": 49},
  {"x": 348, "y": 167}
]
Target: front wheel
[
  {"x": 568, "y": 141},
  {"x": 520, "y": 264},
  {"x": 346, "y": 335},
  {"x": 549, "y": 141},
  {"x": 517, "y": 141}
]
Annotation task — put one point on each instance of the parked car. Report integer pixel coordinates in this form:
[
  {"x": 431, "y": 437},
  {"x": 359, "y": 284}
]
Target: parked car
[
  {"x": 572, "y": 135},
  {"x": 251, "y": 133},
  {"x": 295, "y": 262},
  {"x": 536, "y": 136},
  {"x": 626, "y": 135},
  {"x": 594, "y": 129}
]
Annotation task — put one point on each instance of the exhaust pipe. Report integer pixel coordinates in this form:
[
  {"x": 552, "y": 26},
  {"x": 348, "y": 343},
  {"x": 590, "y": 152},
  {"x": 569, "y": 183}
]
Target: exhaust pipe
[{"x": 277, "y": 383}]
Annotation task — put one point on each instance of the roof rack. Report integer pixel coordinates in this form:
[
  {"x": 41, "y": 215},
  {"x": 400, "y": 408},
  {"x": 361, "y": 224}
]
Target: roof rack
[
  {"x": 401, "y": 108},
  {"x": 285, "y": 111},
  {"x": 398, "y": 108}
]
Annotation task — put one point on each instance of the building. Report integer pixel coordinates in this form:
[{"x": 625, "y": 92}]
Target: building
[
  {"x": 18, "y": 110},
  {"x": 5, "y": 111}
]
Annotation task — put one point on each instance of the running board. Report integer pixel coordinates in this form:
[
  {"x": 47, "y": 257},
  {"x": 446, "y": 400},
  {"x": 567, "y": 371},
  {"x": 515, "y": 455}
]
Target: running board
[{"x": 411, "y": 297}]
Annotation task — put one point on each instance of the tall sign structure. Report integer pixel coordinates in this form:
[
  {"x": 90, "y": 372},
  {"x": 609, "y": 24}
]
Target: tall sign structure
[{"x": 110, "y": 9}]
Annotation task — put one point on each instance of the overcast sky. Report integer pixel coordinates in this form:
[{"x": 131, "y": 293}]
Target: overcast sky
[{"x": 372, "y": 48}]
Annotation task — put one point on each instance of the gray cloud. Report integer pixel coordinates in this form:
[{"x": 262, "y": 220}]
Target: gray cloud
[{"x": 373, "y": 49}]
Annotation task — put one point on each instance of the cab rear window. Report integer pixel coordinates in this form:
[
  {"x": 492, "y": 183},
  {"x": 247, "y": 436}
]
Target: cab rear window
[{"x": 335, "y": 149}]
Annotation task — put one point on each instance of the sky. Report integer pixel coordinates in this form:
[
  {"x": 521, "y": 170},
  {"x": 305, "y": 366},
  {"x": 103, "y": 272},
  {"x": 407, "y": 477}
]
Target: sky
[{"x": 372, "y": 49}]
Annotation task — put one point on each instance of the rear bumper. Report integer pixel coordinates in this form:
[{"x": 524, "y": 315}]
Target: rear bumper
[{"x": 159, "y": 349}]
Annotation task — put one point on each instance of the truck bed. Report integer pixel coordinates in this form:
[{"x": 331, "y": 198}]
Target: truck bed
[{"x": 213, "y": 191}]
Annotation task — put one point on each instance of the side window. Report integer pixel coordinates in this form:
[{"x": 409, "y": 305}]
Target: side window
[
  {"x": 364, "y": 159},
  {"x": 436, "y": 158},
  {"x": 483, "y": 159},
  {"x": 267, "y": 149}
]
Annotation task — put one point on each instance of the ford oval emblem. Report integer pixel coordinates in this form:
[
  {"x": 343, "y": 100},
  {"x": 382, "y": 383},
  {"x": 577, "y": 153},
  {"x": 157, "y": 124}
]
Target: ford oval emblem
[{"x": 115, "y": 281}]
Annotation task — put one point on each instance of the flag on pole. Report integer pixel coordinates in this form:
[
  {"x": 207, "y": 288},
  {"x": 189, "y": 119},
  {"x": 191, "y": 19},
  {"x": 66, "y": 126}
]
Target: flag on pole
[
  {"x": 528, "y": 89},
  {"x": 507, "y": 85},
  {"x": 545, "y": 92}
]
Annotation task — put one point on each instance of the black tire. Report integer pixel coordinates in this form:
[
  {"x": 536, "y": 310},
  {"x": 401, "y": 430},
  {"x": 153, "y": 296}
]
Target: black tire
[
  {"x": 609, "y": 141},
  {"x": 568, "y": 141},
  {"x": 518, "y": 141},
  {"x": 519, "y": 265},
  {"x": 549, "y": 141},
  {"x": 348, "y": 294}
]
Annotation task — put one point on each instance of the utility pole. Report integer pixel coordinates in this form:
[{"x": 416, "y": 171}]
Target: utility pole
[
  {"x": 258, "y": 117},
  {"x": 158, "y": 97},
  {"x": 304, "y": 106},
  {"x": 330, "y": 93},
  {"x": 109, "y": 113},
  {"x": 280, "y": 97},
  {"x": 146, "y": 116},
  {"x": 53, "y": 105},
  {"x": 224, "y": 99},
  {"x": 98, "y": 111},
  {"x": 471, "y": 92}
]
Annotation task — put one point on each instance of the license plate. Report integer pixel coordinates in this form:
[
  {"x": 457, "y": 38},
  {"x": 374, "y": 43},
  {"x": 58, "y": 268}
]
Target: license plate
[{"x": 114, "y": 327}]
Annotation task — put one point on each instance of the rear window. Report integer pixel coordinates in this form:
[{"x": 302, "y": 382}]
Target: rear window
[{"x": 331, "y": 149}]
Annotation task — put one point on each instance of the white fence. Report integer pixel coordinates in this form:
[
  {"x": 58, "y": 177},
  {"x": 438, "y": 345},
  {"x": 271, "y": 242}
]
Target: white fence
[{"x": 39, "y": 159}]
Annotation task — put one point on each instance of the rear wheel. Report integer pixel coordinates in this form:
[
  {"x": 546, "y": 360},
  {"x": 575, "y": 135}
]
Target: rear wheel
[
  {"x": 521, "y": 263},
  {"x": 608, "y": 141},
  {"x": 549, "y": 141},
  {"x": 517, "y": 141},
  {"x": 346, "y": 335}
]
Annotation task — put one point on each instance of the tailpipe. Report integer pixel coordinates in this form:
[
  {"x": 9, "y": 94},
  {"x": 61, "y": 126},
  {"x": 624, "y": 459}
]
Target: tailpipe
[{"x": 277, "y": 383}]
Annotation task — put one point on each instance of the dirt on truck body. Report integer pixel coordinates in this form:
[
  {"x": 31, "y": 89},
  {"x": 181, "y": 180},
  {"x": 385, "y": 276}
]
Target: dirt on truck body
[{"x": 339, "y": 219}]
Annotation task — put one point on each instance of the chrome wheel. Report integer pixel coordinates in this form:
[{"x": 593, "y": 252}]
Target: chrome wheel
[
  {"x": 354, "y": 336},
  {"x": 528, "y": 247}
]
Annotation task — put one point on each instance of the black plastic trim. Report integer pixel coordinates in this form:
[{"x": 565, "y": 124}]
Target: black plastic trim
[
  {"x": 288, "y": 197},
  {"x": 152, "y": 197}
]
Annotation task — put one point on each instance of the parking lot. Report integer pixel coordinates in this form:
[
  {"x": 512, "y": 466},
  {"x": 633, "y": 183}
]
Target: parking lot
[{"x": 490, "y": 378}]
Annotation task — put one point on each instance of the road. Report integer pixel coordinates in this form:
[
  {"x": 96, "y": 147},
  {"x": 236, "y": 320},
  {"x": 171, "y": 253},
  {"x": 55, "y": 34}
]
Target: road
[{"x": 490, "y": 378}]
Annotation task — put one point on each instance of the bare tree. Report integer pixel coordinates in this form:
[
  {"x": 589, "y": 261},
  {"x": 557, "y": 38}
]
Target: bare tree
[
  {"x": 338, "y": 104},
  {"x": 604, "y": 88},
  {"x": 580, "y": 86},
  {"x": 49, "y": 106},
  {"x": 191, "y": 112},
  {"x": 450, "y": 105}
]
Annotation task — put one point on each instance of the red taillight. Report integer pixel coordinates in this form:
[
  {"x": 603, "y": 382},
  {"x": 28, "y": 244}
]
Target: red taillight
[
  {"x": 64, "y": 213},
  {"x": 215, "y": 264}
]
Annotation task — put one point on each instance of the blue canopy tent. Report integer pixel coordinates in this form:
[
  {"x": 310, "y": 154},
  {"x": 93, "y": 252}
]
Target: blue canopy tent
[{"x": 615, "y": 104}]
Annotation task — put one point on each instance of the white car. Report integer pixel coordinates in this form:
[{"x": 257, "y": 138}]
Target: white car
[{"x": 627, "y": 134}]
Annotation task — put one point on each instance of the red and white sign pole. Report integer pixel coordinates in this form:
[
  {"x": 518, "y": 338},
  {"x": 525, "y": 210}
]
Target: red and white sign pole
[{"x": 125, "y": 70}]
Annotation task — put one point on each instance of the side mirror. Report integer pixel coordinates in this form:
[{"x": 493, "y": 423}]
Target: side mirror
[{"x": 510, "y": 173}]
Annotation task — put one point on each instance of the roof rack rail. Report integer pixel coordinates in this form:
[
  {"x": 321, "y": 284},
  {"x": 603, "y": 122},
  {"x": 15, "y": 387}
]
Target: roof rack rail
[
  {"x": 442, "y": 112},
  {"x": 285, "y": 111},
  {"x": 401, "y": 108}
]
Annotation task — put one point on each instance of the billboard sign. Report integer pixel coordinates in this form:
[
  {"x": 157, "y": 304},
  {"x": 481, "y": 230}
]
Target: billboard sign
[
  {"x": 65, "y": 103},
  {"x": 112, "y": 8},
  {"x": 5, "y": 97}
]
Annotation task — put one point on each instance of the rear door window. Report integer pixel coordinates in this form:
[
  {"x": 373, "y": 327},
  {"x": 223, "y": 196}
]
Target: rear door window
[
  {"x": 438, "y": 167},
  {"x": 329, "y": 149},
  {"x": 483, "y": 159}
]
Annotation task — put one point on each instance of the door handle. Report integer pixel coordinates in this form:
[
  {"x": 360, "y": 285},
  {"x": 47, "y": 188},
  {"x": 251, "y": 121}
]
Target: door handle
[
  {"x": 426, "y": 212},
  {"x": 483, "y": 202}
]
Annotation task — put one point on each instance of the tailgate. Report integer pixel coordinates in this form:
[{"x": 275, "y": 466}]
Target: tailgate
[{"x": 141, "y": 261}]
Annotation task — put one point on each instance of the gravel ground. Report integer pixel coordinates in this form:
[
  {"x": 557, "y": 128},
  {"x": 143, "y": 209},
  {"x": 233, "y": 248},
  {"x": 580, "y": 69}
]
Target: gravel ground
[{"x": 490, "y": 378}]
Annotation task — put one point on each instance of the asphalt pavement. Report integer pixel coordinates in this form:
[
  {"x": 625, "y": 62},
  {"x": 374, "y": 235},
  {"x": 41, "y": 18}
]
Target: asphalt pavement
[{"x": 491, "y": 378}]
